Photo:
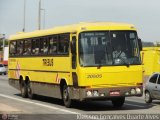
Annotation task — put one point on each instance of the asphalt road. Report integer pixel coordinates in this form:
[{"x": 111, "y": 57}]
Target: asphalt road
[{"x": 46, "y": 108}]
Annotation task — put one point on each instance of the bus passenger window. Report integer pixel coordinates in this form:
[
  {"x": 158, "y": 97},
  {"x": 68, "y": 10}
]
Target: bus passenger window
[
  {"x": 43, "y": 46},
  {"x": 19, "y": 47},
  {"x": 53, "y": 45},
  {"x": 12, "y": 48},
  {"x": 27, "y": 47},
  {"x": 64, "y": 44},
  {"x": 35, "y": 46}
]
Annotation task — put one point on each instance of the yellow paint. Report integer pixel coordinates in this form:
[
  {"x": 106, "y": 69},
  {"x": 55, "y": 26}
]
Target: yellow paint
[
  {"x": 111, "y": 76},
  {"x": 75, "y": 28},
  {"x": 151, "y": 60},
  {"x": 117, "y": 76}
]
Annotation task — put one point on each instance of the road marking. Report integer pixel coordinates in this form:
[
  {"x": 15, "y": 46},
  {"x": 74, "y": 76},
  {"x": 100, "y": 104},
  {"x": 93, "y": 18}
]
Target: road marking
[
  {"x": 134, "y": 105},
  {"x": 39, "y": 104}
]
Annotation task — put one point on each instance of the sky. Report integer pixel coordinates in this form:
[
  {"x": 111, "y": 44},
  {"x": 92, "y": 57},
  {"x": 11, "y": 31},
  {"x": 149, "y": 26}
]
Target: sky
[{"x": 144, "y": 14}]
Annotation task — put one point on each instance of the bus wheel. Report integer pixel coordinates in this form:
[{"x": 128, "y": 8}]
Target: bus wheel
[
  {"x": 118, "y": 102},
  {"x": 148, "y": 98},
  {"x": 23, "y": 89},
  {"x": 65, "y": 96},
  {"x": 30, "y": 91}
]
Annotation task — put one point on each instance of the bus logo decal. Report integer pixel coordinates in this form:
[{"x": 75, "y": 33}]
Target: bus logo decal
[
  {"x": 57, "y": 78},
  {"x": 17, "y": 72},
  {"x": 47, "y": 62}
]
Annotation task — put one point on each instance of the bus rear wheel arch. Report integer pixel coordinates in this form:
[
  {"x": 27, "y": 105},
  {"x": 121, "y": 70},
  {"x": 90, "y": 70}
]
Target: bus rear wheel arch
[{"x": 65, "y": 94}]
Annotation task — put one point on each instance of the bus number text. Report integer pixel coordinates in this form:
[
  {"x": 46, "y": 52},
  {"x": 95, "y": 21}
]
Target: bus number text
[{"x": 94, "y": 76}]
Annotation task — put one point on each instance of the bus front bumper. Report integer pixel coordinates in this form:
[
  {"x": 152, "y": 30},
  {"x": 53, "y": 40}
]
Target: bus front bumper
[{"x": 105, "y": 93}]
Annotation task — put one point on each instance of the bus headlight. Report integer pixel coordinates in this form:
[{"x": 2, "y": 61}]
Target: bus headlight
[
  {"x": 89, "y": 93},
  {"x": 133, "y": 91},
  {"x": 95, "y": 93},
  {"x": 138, "y": 90},
  {"x": 127, "y": 93},
  {"x": 102, "y": 94}
]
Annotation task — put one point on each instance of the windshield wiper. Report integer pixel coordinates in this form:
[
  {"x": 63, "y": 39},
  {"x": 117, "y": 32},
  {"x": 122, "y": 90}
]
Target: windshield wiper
[
  {"x": 127, "y": 64},
  {"x": 89, "y": 65},
  {"x": 97, "y": 65}
]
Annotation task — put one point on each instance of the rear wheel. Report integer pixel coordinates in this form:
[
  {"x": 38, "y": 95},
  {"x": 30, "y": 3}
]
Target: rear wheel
[
  {"x": 23, "y": 89},
  {"x": 148, "y": 98},
  {"x": 118, "y": 102},
  {"x": 66, "y": 97}
]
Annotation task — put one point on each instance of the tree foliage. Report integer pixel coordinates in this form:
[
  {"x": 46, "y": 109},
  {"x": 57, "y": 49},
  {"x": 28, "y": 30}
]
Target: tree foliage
[
  {"x": 147, "y": 44},
  {"x": 1, "y": 44}
]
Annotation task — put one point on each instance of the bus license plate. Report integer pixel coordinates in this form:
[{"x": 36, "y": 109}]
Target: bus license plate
[{"x": 114, "y": 93}]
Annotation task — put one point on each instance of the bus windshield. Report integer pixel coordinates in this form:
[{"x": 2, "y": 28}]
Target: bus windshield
[{"x": 108, "y": 48}]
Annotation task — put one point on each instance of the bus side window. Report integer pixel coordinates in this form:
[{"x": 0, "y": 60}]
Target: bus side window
[
  {"x": 27, "y": 47},
  {"x": 53, "y": 44},
  {"x": 35, "y": 46},
  {"x": 63, "y": 44},
  {"x": 19, "y": 47},
  {"x": 43, "y": 46},
  {"x": 12, "y": 48}
]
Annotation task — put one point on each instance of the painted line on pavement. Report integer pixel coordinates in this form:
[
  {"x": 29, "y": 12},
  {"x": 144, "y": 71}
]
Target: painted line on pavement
[{"x": 39, "y": 104}]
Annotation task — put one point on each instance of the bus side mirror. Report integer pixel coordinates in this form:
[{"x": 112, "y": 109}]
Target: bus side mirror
[
  {"x": 73, "y": 45},
  {"x": 140, "y": 44}
]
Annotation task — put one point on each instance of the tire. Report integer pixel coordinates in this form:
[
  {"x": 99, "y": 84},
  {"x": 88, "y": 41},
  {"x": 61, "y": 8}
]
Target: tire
[
  {"x": 148, "y": 98},
  {"x": 65, "y": 96},
  {"x": 118, "y": 102},
  {"x": 23, "y": 89},
  {"x": 30, "y": 91}
]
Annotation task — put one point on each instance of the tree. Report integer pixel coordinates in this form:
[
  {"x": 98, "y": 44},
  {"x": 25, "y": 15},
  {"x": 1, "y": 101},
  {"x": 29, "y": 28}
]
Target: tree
[
  {"x": 147, "y": 44},
  {"x": 158, "y": 44},
  {"x": 1, "y": 43}
]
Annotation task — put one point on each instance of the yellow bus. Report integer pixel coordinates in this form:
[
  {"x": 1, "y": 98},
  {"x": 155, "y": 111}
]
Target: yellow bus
[
  {"x": 150, "y": 61},
  {"x": 85, "y": 61}
]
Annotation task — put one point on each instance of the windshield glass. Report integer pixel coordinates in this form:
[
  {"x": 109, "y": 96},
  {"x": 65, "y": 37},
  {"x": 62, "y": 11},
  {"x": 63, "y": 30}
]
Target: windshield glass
[{"x": 108, "y": 48}]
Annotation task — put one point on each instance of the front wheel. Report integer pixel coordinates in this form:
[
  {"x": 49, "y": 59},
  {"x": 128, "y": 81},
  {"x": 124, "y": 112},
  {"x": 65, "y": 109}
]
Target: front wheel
[
  {"x": 148, "y": 98},
  {"x": 65, "y": 96},
  {"x": 118, "y": 102}
]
